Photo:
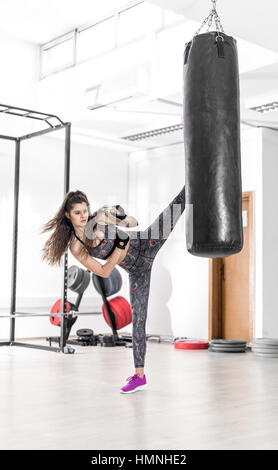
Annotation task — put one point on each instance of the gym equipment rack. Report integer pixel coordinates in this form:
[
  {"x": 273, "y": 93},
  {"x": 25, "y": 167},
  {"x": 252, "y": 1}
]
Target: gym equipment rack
[{"x": 54, "y": 123}]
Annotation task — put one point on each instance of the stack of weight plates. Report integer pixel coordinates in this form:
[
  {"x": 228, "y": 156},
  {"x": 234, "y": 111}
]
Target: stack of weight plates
[
  {"x": 265, "y": 347},
  {"x": 227, "y": 345}
]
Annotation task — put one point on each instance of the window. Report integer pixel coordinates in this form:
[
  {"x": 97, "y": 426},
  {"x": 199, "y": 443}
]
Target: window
[
  {"x": 105, "y": 35},
  {"x": 58, "y": 54},
  {"x": 96, "y": 39}
]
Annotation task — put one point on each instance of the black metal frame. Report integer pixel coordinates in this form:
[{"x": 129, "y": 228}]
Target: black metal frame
[{"x": 57, "y": 125}]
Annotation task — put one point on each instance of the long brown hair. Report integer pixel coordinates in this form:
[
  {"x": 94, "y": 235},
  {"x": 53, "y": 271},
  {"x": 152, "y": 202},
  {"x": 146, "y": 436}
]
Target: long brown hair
[{"x": 63, "y": 234}]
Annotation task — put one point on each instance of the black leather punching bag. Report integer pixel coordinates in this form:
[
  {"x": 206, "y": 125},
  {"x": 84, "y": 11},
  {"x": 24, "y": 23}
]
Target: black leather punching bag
[{"x": 211, "y": 114}]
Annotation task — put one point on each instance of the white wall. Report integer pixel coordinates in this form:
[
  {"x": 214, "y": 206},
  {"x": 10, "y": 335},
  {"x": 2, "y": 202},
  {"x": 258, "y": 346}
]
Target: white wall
[
  {"x": 270, "y": 232},
  {"x": 178, "y": 302},
  {"x": 64, "y": 92},
  {"x": 175, "y": 304},
  {"x": 251, "y": 169},
  {"x": 145, "y": 182},
  {"x": 18, "y": 80},
  {"x": 101, "y": 174}
]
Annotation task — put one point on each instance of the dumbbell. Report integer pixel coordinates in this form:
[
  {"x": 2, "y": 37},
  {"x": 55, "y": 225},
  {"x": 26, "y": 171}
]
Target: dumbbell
[
  {"x": 85, "y": 335},
  {"x": 78, "y": 281},
  {"x": 57, "y": 308},
  {"x": 119, "y": 306}
]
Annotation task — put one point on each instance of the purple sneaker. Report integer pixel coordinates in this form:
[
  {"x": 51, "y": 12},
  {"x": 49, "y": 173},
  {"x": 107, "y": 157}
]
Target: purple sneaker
[{"x": 134, "y": 384}]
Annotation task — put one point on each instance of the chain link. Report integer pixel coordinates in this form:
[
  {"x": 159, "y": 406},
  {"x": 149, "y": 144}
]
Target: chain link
[{"x": 213, "y": 16}]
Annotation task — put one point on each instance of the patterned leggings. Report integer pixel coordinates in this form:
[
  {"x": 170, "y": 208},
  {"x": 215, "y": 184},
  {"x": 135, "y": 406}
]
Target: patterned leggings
[{"x": 144, "y": 246}]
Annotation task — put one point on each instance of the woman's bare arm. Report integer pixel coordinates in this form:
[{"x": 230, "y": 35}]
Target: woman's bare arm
[
  {"x": 129, "y": 221},
  {"x": 109, "y": 216},
  {"x": 102, "y": 270}
]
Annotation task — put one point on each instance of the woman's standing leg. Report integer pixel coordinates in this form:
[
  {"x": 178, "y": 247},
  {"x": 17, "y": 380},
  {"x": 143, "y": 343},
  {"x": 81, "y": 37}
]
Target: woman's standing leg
[
  {"x": 140, "y": 279},
  {"x": 139, "y": 283},
  {"x": 154, "y": 236}
]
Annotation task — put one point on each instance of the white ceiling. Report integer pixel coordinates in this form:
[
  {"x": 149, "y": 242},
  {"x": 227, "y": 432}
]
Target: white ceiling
[
  {"x": 39, "y": 21},
  {"x": 253, "y": 20}
]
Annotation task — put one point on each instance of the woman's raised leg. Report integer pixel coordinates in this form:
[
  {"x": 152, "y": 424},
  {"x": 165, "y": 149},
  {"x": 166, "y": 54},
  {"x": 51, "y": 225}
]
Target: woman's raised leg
[{"x": 154, "y": 236}]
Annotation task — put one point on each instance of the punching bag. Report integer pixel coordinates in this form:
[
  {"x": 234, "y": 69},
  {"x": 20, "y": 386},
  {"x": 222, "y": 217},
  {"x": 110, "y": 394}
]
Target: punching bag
[{"x": 211, "y": 115}]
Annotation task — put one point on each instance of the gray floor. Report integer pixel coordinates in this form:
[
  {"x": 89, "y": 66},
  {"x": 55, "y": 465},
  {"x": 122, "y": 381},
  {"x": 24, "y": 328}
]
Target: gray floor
[{"x": 195, "y": 400}]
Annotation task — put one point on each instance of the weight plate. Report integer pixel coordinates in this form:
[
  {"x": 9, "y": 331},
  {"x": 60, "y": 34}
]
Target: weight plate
[
  {"x": 110, "y": 285},
  {"x": 264, "y": 345},
  {"x": 85, "y": 332},
  {"x": 78, "y": 279},
  {"x": 191, "y": 344},
  {"x": 271, "y": 347},
  {"x": 74, "y": 277},
  {"x": 116, "y": 281},
  {"x": 266, "y": 341},
  {"x": 120, "y": 281},
  {"x": 265, "y": 350},
  {"x": 262, "y": 338},
  {"x": 86, "y": 280},
  {"x": 107, "y": 285},
  {"x": 226, "y": 350},
  {"x": 107, "y": 341},
  {"x": 82, "y": 286},
  {"x": 57, "y": 309},
  {"x": 227, "y": 341},
  {"x": 96, "y": 282},
  {"x": 222, "y": 346},
  {"x": 121, "y": 309}
]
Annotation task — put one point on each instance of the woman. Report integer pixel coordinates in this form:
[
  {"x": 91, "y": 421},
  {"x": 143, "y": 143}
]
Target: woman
[{"x": 96, "y": 235}]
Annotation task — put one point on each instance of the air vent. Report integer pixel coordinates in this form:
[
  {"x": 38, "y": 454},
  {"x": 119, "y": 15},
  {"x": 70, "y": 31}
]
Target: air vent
[
  {"x": 154, "y": 133},
  {"x": 266, "y": 108}
]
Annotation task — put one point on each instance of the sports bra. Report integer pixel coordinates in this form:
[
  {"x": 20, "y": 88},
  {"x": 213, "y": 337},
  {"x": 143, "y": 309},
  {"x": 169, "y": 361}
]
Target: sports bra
[{"x": 106, "y": 247}]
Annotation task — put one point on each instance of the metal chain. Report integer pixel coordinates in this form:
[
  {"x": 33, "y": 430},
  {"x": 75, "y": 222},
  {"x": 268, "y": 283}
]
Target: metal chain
[
  {"x": 213, "y": 16},
  {"x": 210, "y": 22}
]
